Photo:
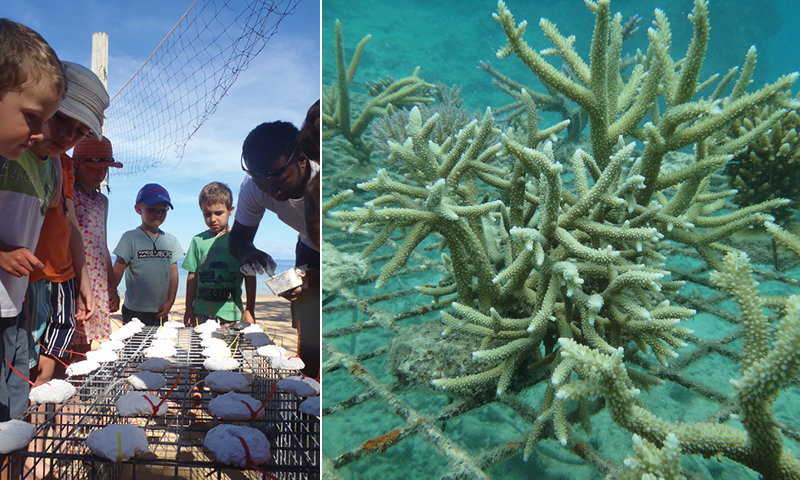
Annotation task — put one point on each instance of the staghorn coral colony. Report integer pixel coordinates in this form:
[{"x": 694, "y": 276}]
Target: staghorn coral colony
[
  {"x": 570, "y": 279},
  {"x": 768, "y": 168}
]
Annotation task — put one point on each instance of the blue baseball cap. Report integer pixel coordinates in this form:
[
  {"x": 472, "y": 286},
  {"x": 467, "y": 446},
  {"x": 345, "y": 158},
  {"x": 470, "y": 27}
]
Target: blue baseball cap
[{"x": 153, "y": 193}]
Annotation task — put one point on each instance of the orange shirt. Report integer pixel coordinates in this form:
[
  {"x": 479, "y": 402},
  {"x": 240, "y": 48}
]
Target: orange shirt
[{"x": 53, "y": 247}]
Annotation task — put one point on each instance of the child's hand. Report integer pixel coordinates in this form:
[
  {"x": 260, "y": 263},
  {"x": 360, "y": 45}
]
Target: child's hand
[
  {"x": 249, "y": 318},
  {"x": 113, "y": 301},
  {"x": 18, "y": 261},
  {"x": 189, "y": 319},
  {"x": 163, "y": 310},
  {"x": 84, "y": 301}
]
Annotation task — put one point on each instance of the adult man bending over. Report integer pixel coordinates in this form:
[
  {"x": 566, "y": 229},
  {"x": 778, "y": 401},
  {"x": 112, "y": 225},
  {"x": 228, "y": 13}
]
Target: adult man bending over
[{"x": 278, "y": 174}]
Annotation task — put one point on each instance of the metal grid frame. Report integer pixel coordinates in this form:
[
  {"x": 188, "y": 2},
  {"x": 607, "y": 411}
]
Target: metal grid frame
[
  {"x": 176, "y": 440},
  {"x": 378, "y": 312}
]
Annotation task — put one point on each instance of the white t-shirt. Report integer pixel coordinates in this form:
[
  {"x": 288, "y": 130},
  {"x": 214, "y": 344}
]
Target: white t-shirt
[
  {"x": 149, "y": 262},
  {"x": 253, "y": 202}
]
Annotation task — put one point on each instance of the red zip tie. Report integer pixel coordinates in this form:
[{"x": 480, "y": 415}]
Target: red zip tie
[
  {"x": 51, "y": 353},
  {"x": 255, "y": 415},
  {"x": 155, "y": 409},
  {"x": 252, "y": 413},
  {"x": 167, "y": 395},
  {"x": 249, "y": 460},
  {"x": 21, "y": 375}
]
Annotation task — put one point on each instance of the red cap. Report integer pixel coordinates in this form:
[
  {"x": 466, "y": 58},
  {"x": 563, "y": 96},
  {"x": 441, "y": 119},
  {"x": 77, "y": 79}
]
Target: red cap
[{"x": 97, "y": 153}]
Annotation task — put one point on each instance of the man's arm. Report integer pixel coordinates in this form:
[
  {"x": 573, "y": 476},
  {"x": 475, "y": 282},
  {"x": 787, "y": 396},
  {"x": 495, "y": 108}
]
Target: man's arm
[
  {"x": 312, "y": 208},
  {"x": 163, "y": 311},
  {"x": 241, "y": 239},
  {"x": 250, "y": 299},
  {"x": 253, "y": 260}
]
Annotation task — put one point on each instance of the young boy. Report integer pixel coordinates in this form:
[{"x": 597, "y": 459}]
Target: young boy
[
  {"x": 148, "y": 257},
  {"x": 214, "y": 284},
  {"x": 32, "y": 85}
]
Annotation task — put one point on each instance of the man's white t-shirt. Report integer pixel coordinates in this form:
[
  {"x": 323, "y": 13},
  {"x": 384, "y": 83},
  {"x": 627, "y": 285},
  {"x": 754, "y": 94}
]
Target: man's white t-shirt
[{"x": 253, "y": 202}]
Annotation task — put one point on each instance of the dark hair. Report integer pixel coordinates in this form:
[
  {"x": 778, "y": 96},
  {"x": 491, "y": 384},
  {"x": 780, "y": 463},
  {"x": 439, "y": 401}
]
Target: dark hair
[
  {"x": 26, "y": 58},
  {"x": 216, "y": 192},
  {"x": 267, "y": 142},
  {"x": 309, "y": 133}
]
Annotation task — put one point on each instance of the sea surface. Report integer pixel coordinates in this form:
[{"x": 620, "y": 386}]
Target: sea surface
[
  {"x": 261, "y": 288},
  {"x": 364, "y": 433}
]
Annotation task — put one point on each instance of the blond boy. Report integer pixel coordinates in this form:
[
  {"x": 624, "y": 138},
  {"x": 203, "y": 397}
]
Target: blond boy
[{"x": 32, "y": 85}]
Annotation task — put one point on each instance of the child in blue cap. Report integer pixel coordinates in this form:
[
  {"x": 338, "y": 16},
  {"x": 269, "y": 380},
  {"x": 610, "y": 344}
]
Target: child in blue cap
[{"x": 148, "y": 256}]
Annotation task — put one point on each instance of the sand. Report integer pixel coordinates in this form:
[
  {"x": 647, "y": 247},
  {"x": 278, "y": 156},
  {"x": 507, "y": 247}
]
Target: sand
[{"x": 272, "y": 314}]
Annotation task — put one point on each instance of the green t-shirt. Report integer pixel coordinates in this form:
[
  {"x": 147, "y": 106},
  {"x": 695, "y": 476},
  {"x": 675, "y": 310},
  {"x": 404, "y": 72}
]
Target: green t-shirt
[{"x": 219, "y": 281}]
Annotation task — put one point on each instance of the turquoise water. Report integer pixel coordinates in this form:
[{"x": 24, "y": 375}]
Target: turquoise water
[{"x": 448, "y": 39}]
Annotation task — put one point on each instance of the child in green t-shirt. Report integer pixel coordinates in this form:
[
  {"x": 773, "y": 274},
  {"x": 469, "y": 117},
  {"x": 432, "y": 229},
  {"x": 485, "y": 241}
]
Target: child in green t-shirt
[{"x": 214, "y": 284}]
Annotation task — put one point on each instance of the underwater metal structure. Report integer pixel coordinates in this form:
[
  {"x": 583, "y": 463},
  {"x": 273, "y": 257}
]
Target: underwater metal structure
[{"x": 567, "y": 295}]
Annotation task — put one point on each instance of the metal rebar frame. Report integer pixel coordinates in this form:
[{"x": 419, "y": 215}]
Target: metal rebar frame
[
  {"x": 357, "y": 384},
  {"x": 176, "y": 440}
]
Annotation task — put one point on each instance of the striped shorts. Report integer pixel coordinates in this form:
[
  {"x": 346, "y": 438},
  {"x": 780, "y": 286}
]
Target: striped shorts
[{"x": 50, "y": 309}]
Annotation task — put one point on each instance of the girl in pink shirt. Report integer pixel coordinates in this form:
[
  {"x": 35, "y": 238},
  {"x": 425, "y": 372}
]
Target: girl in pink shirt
[{"x": 92, "y": 159}]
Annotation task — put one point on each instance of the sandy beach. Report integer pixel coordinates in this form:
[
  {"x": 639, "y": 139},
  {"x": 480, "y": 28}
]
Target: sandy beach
[{"x": 272, "y": 314}]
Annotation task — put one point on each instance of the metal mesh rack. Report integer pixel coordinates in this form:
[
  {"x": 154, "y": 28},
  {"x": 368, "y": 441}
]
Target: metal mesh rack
[
  {"x": 176, "y": 440},
  {"x": 376, "y": 426}
]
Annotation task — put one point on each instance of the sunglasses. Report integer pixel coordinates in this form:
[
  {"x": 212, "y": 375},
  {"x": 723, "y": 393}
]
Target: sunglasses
[{"x": 272, "y": 173}]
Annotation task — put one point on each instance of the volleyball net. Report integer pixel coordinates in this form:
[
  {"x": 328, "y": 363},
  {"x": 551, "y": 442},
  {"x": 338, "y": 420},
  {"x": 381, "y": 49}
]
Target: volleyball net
[{"x": 162, "y": 106}]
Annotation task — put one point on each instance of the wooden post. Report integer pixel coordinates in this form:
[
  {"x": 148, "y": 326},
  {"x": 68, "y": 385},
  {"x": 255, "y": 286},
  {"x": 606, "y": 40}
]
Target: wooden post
[
  {"x": 100, "y": 56},
  {"x": 100, "y": 68},
  {"x": 100, "y": 59}
]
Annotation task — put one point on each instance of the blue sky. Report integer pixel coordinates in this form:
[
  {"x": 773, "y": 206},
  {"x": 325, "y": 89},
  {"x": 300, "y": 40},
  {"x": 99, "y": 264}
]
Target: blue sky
[{"x": 280, "y": 84}]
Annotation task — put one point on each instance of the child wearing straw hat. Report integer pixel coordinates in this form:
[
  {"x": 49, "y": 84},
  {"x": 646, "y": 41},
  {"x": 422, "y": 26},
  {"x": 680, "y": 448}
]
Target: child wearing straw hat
[{"x": 91, "y": 159}]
